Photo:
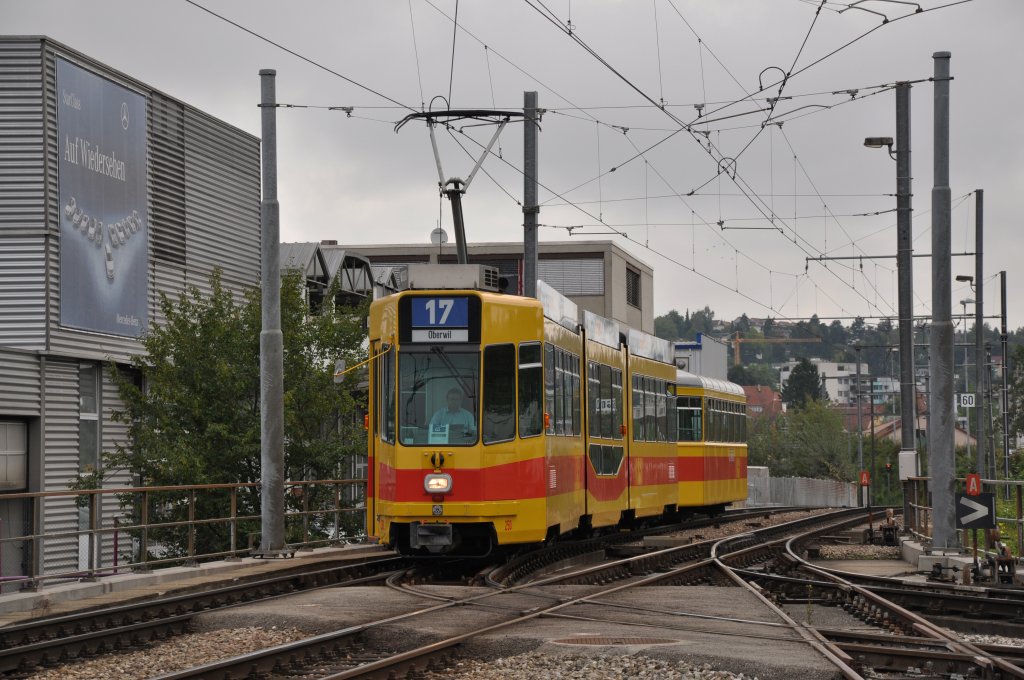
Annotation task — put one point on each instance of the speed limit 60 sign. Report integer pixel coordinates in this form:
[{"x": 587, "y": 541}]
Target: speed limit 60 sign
[{"x": 965, "y": 400}]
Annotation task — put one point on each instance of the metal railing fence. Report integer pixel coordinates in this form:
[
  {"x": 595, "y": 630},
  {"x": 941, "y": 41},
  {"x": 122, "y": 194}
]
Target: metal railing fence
[{"x": 76, "y": 535}]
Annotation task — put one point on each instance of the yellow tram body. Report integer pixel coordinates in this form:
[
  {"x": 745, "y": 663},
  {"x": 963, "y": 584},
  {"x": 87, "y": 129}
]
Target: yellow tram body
[
  {"x": 712, "y": 441},
  {"x": 497, "y": 420}
]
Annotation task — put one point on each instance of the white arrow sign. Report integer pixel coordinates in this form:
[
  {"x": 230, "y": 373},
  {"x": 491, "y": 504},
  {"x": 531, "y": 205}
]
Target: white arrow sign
[{"x": 979, "y": 511}]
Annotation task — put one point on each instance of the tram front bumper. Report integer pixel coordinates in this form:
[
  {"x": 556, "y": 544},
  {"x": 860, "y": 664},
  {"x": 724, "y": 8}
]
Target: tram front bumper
[{"x": 434, "y": 537}]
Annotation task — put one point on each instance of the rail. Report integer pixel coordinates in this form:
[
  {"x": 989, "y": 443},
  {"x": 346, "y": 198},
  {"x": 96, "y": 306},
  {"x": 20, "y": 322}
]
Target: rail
[{"x": 101, "y": 532}]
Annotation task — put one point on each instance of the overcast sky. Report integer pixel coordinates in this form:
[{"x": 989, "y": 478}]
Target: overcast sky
[{"x": 613, "y": 165}]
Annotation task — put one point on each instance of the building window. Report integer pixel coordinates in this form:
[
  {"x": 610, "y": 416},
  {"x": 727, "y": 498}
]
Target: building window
[{"x": 633, "y": 287}]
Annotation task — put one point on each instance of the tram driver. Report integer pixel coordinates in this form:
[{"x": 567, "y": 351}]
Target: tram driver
[{"x": 452, "y": 414}]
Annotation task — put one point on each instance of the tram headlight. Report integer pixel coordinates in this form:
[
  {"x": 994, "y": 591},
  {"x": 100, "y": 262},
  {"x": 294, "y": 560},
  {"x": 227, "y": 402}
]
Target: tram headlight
[{"x": 437, "y": 483}]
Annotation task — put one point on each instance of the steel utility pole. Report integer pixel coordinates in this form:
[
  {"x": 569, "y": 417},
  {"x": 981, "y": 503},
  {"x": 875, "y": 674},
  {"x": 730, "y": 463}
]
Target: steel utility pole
[
  {"x": 908, "y": 463},
  {"x": 941, "y": 464},
  {"x": 979, "y": 335},
  {"x": 530, "y": 207},
  {"x": 1006, "y": 380},
  {"x": 860, "y": 419},
  {"x": 271, "y": 339}
]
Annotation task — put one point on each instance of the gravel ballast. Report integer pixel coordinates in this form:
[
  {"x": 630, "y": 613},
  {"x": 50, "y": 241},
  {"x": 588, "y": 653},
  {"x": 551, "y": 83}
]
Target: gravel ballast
[
  {"x": 179, "y": 653},
  {"x": 577, "y": 667}
]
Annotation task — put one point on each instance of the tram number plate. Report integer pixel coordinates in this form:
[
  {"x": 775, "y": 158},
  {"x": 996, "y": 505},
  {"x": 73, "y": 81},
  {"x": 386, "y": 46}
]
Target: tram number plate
[{"x": 440, "y": 319}]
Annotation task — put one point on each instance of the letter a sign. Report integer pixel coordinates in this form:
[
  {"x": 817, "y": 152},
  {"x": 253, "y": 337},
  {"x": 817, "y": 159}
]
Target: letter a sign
[
  {"x": 973, "y": 484},
  {"x": 865, "y": 478}
]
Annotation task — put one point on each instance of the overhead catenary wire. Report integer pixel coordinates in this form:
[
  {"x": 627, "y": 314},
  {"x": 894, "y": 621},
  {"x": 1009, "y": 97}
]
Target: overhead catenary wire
[
  {"x": 299, "y": 56},
  {"x": 647, "y": 198},
  {"x": 455, "y": 35},
  {"x": 641, "y": 245},
  {"x": 416, "y": 53}
]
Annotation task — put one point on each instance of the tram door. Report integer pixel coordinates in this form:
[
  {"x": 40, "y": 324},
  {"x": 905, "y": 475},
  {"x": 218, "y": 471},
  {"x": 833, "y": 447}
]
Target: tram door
[{"x": 371, "y": 438}]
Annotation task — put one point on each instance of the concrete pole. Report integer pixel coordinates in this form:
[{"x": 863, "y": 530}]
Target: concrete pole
[
  {"x": 271, "y": 339},
  {"x": 530, "y": 207},
  {"x": 908, "y": 463},
  {"x": 944, "y": 536},
  {"x": 979, "y": 336}
]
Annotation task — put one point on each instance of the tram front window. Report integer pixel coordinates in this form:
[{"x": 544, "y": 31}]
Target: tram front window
[{"x": 437, "y": 397}]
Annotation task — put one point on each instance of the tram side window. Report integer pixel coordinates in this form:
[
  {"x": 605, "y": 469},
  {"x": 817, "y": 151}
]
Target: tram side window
[
  {"x": 562, "y": 391},
  {"x": 498, "y": 422},
  {"x": 662, "y": 410},
  {"x": 616, "y": 404},
  {"x": 577, "y": 419},
  {"x": 561, "y": 399},
  {"x": 689, "y": 419},
  {"x": 743, "y": 421},
  {"x": 736, "y": 434},
  {"x": 638, "y": 409},
  {"x": 388, "y": 397},
  {"x": 606, "y": 401},
  {"x": 531, "y": 418},
  {"x": 549, "y": 387},
  {"x": 670, "y": 417},
  {"x": 650, "y": 410},
  {"x": 593, "y": 399}
]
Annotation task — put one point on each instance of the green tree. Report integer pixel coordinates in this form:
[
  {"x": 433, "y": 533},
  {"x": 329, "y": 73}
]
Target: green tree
[
  {"x": 701, "y": 321},
  {"x": 811, "y": 442},
  {"x": 803, "y": 386},
  {"x": 1016, "y": 391},
  {"x": 669, "y": 326},
  {"x": 754, "y": 374},
  {"x": 192, "y": 402}
]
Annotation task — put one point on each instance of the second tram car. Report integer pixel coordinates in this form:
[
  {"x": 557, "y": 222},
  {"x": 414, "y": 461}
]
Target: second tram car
[
  {"x": 497, "y": 420},
  {"x": 712, "y": 416}
]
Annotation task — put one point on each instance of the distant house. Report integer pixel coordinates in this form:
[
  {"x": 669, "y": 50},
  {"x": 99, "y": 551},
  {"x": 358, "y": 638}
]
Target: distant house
[
  {"x": 762, "y": 401},
  {"x": 893, "y": 430}
]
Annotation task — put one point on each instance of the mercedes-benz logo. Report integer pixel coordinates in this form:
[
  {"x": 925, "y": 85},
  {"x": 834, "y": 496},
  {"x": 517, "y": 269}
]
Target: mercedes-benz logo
[{"x": 124, "y": 115}]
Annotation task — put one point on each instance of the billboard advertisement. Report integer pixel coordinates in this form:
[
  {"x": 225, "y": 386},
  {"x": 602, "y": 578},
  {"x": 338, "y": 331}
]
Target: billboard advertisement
[{"x": 104, "y": 224}]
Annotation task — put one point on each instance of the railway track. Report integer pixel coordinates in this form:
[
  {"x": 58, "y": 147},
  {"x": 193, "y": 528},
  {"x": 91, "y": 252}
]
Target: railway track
[
  {"x": 902, "y": 646},
  {"x": 511, "y": 605},
  {"x": 907, "y": 644},
  {"x": 45, "y": 641},
  {"x": 48, "y": 640}
]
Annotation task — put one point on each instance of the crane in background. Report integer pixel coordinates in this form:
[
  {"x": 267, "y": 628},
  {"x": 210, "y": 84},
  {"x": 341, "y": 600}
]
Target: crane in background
[{"x": 738, "y": 340}]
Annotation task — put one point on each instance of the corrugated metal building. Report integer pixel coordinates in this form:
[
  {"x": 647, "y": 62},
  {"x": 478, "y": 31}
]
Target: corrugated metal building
[{"x": 110, "y": 194}]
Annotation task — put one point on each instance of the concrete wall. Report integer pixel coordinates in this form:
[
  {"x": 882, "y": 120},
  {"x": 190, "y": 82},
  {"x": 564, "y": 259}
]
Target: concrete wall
[{"x": 765, "y": 490}]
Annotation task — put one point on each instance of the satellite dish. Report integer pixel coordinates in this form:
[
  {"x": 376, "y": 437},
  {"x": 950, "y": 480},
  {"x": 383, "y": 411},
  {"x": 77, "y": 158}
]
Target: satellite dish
[{"x": 439, "y": 236}]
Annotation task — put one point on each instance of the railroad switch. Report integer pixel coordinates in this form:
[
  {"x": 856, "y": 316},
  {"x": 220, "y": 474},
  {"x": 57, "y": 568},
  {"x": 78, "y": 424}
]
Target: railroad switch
[{"x": 937, "y": 575}]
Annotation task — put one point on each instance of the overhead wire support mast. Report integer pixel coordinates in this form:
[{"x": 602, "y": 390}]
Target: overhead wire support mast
[{"x": 454, "y": 187}]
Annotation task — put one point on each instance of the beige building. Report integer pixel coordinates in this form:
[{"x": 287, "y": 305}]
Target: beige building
[{"x": 599, "y": 276}]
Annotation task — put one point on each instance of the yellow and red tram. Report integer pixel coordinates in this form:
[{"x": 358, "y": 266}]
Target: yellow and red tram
[
  {"x": 497, "y": 420},
  {"x": 712, "y": 416}
]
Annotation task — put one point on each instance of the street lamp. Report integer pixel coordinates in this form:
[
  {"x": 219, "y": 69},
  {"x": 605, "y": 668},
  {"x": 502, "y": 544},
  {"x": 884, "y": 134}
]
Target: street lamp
[
  {"x": 908, "y": 466},
  {"x": 878, "y": 143}
]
